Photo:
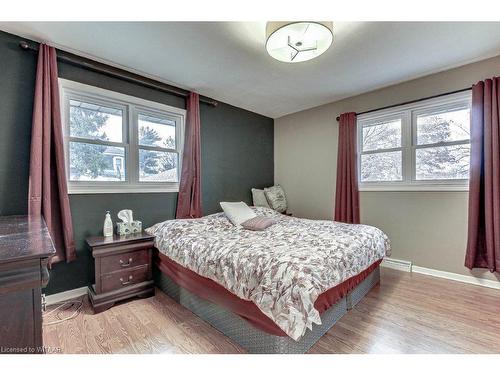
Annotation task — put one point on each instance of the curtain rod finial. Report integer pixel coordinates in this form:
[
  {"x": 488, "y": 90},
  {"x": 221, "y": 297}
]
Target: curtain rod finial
[
  {"x": 338, "y": 118},
  {"x": 24, "y": 45},
  {"x": 208, "y": 101}
]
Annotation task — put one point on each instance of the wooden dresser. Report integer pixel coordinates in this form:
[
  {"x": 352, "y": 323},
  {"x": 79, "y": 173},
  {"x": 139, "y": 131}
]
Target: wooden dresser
[
  {"x": 25, "y": 248},
  {"x": 123, "y": 269}
]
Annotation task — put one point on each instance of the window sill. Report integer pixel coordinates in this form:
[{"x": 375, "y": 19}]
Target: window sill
[
  {"x": 422, "y": 187},
  {"x": 74, "y": 190}
]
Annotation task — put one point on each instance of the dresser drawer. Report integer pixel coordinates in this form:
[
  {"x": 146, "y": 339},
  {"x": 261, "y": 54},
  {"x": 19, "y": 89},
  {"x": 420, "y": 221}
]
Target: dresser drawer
[
  {"x": 121, "y": 279},
  {"x": 120, "y": 262}
]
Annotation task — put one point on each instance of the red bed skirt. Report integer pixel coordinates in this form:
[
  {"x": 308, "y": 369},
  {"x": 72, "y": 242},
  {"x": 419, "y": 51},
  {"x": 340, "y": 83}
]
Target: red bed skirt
[{"x": 216, "y": 293}]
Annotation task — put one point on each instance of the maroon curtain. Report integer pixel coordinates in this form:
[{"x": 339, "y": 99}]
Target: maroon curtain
[
  {"x": 347, "y": 193},
  {"x": 48, "y": 193},
  {"x": 189, "y": 198},
  {"x": 483, "y": 243}
]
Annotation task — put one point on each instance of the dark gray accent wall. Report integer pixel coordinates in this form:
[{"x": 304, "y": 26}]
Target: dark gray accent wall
[
  {"x": 17, "y": 77},
  {"x": 236, "y": 153}
]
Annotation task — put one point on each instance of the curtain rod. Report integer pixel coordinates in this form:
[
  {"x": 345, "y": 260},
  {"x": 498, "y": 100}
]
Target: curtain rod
[
  {"x": 411, "y": 101},
  {"x": 122, "y": 74}
]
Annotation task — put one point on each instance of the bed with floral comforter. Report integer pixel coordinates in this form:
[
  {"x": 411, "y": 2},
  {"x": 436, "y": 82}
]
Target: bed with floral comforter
[{"x": 282, "y": 269}]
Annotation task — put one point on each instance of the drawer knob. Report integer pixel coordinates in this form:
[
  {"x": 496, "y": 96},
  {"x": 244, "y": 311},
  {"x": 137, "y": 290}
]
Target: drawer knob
[
  {"x": 123, "y": 264},
  {"x": 128, "y": 281}
]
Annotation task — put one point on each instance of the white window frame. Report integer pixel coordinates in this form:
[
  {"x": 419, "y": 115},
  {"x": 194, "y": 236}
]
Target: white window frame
[
  {"x": 408, "y": 114},
  {"x": 131, "y": 108}
]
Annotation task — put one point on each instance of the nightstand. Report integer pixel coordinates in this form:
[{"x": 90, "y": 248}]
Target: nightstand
[{"x": 123, "y": 269}]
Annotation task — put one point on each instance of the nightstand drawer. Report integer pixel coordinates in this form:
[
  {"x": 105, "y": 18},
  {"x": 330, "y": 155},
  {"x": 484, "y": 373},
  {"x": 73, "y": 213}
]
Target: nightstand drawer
[
  {"x": 124, "y": 261},
  {"x": 121, "y": 279}
]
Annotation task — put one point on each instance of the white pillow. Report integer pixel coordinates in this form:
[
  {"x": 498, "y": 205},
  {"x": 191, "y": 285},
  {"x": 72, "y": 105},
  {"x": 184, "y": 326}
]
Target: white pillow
[
  {"x": 237, "y": 212},
  {"x": 259, "y": 198}
]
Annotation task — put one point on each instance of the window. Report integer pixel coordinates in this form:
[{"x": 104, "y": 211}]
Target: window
[
  {"x": 422, "y": 146},
  {"x": 119, "y": 143}
]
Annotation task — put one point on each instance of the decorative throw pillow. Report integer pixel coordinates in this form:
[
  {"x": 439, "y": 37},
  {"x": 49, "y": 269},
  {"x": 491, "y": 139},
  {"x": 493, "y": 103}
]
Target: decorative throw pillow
[
  {"x": 258, "y": 223},
  {"x": 237, "y": 212},
  {"x": 259, "y": 198},
  {"x": 276, "y": 197}
]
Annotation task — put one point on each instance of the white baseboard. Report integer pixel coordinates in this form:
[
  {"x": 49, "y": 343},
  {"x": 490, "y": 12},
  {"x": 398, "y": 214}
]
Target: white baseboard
[
  {"x": 457, "y": 277},
  {"x": 52, "y": 299},
  {"x": 397, "y": 264},
  {"x": 402, "y": 265}
]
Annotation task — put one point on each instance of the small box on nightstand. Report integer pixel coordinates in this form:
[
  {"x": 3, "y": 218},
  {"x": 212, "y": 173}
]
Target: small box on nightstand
[{"x": 123, "y": 269}]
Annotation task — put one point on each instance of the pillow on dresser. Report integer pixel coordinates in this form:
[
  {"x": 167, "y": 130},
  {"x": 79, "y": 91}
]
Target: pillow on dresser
[
  {"x": 237, "y": 212},
  {"x": 276, "y": 198},
  {"x": 259, "y": 198},
  {"x": 258, "y": 223}
]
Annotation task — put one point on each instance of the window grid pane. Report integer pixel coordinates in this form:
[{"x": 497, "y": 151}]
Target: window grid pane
[
  {"x": 95, "y": 122},
  {"x": 156, "y": 131},
  {"x": 442, "y": 162},
  {"x": 385, "y": 135},
  {"x": 158, "y": 166},
  {"x": 450, "y": 126},
  {"x": 382, "y": 166},
  {"x": 91, "y": 162}
]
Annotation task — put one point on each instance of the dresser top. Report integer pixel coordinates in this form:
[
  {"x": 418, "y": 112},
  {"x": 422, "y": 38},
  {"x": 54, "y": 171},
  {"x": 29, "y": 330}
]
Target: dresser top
[{"x": 24, "y": 237}]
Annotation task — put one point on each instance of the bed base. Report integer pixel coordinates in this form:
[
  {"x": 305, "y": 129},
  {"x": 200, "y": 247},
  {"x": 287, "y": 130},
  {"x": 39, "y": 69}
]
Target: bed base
[{"x": 253, "y": 339}]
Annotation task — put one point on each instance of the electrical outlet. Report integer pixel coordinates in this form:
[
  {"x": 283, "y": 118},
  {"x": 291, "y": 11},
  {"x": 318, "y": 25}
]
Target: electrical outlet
[{"x": 44, "y": 302}]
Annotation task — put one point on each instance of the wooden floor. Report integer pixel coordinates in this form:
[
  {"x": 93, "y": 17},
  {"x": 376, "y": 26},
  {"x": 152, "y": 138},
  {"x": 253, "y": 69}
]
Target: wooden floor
[{"x": 406, "y": 313}]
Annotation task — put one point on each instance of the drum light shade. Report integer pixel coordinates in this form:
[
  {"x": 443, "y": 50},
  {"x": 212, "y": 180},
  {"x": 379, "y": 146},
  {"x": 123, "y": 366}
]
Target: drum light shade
[{"x": 293, "y": 42}]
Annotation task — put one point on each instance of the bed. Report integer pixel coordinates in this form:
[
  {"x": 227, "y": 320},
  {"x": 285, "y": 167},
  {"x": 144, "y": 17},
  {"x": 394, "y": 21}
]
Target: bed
[{"x": 272, "y": 291}]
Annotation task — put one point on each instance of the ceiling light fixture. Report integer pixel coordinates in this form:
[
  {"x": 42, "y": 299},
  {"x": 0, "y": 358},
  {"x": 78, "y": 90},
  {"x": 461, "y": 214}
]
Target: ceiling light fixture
[{"x": 293, "y": 42}]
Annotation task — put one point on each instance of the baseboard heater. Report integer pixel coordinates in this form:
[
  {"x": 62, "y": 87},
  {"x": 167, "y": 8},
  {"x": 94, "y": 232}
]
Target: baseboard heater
[{"x": 397, "y": 264}]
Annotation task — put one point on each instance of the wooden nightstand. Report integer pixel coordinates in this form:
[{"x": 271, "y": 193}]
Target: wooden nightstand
[{"x": 123, "y": 269}]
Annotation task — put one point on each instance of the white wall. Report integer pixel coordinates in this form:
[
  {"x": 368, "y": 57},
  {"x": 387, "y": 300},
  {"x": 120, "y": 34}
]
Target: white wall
[{"x": 428, "y": 228}]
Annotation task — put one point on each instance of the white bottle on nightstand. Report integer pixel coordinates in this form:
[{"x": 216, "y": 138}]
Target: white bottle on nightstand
[{"x": 107, "y": 229}]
